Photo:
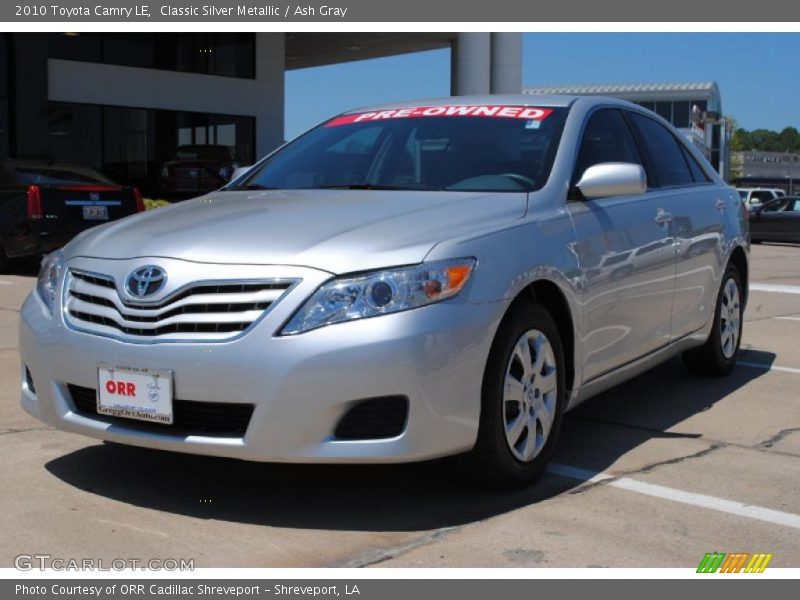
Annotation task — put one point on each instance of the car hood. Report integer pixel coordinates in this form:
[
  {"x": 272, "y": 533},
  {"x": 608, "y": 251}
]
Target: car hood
[{"x": 333, "y": 230}]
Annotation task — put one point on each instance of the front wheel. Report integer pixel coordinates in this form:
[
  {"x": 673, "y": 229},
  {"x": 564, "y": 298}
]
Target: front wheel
[
  {"x": 718, "y": 355},
  {"x": 523, "y": 400}
]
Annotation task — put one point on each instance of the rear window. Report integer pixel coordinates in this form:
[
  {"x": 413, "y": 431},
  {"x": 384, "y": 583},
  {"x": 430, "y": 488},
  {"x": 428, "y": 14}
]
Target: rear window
[
  {"x": 51, "y": 176},
  {"x": 448, "y": 148},
  {"x": 666, "y": 155}
]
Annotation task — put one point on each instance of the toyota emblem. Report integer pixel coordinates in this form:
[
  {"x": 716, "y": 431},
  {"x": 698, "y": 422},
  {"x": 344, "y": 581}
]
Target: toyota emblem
[{"x": 145, "y": 281}]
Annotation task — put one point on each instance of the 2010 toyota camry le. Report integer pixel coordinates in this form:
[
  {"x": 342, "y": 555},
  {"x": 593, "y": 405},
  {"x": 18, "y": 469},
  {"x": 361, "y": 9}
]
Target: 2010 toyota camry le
[{"x": 400, "y": 283}]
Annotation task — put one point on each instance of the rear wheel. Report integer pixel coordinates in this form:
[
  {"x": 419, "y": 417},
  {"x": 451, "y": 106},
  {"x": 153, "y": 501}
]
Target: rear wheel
[
  {"x": 718, "y": 355},
  {"x": 522, "y": 400}
]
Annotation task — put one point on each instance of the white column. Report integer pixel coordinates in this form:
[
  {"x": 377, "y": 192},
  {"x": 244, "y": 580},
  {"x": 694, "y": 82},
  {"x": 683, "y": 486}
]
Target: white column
[
  {"x": 268, "y": 105},
  {"x": 506, "y": 70},
  {"x": 471, "y": 64}
]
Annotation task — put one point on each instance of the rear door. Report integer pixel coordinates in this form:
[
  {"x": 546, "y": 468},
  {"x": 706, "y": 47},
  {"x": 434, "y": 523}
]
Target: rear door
[
  {"x": 699, "y": 209},
  {"x": 777, "y": 221},
  {"x": 625, "y": 251}
]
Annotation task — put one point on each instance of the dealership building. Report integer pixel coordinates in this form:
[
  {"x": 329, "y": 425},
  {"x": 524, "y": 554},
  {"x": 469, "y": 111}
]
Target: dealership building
[
  {"x": 124, "y": 102},
  {"x": 694, "y": 108},
  {"x": 754, "y": 168}
]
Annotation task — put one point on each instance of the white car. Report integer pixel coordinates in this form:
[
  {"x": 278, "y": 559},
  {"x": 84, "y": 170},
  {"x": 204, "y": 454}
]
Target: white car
[{"x": 757, "y": 196}]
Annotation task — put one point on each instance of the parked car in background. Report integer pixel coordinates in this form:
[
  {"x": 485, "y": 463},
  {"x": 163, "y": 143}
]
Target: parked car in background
[
  {"x": 401, "y": 283},
  {"x": 757, "y": 196},
  {"x": 45, "y": 203},
  {"x": 197, "y": 169},
  {"x": 777, "y": 220}
]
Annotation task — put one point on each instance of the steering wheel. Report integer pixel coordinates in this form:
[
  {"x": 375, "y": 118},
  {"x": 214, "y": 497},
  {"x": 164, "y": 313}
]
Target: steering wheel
[{"x": 527, "y": 181}]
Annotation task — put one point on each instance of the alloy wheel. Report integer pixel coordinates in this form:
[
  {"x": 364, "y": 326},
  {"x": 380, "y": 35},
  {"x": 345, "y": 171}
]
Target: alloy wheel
[
  {"x": 730, "y": 318},
  {"x": 530, "y": 393}
]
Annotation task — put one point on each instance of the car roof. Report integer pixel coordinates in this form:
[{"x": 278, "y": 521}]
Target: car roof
[{"x": 547, "y": 100}]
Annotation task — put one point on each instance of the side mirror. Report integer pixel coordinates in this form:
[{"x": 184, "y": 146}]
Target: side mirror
[
  {"x": 239, "y": 171},
  {"x": 612, "y": 179}
]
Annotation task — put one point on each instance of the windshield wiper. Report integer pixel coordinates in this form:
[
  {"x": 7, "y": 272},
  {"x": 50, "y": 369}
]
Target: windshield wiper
[
  {"x": 249, "y": 186},
  {"x": 366, "y": 186}
]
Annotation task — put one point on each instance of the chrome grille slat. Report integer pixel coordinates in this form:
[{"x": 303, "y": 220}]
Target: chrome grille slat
[
  {"x": 206, "y": 317},
  {"x": 103, "y": 297},
  {"x": 204, "y": 310}
]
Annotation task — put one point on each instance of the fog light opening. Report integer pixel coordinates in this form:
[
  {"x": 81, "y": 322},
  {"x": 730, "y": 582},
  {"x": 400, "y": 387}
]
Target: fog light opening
[{"x": 29, "y": 382}]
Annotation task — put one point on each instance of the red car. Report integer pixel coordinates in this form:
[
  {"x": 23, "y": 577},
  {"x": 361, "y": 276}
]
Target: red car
[{"x": 197, "y": 169}]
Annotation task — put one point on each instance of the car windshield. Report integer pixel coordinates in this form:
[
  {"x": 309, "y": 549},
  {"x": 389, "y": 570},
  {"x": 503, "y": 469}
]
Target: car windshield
[
  {"x": 743, "y": 194},
  {"x": 453, "y": 148}
]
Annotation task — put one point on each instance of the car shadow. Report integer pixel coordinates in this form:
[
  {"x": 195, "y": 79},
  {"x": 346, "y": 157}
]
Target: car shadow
[{"x": 410, "y": 497}]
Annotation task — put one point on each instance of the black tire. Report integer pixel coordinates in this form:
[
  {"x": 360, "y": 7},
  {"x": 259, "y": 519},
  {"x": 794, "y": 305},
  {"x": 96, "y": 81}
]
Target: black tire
[
  {"x": 491, "y": 459},
  {"x": 709, "y": 359}
]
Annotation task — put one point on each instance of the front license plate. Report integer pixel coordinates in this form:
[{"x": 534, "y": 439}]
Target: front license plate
[
  {"x": 131, "y": 393},
  {"x": 95, "y": 213}
]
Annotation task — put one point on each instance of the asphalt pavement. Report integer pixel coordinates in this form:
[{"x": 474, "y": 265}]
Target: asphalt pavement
[{"x": 655, "y": 472}]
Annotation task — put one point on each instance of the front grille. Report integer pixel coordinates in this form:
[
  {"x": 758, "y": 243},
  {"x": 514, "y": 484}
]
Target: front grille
[
  {"x": 204, "y": 310},
  {"x": 375, "y": 418},
  {"x": 213, "y": 419}
]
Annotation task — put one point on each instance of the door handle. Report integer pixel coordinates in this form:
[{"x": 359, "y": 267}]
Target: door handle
[
  {"x": 720, "y": 204},
  {"x": 663, "y": 216}
]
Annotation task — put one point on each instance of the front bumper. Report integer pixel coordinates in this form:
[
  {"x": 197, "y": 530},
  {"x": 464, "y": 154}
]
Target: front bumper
[{"x": 300, "y": 385}]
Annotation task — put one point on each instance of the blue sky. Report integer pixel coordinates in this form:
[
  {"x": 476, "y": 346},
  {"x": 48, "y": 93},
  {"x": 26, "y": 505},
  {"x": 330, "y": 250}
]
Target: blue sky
[{"x": 756, "y": 72}]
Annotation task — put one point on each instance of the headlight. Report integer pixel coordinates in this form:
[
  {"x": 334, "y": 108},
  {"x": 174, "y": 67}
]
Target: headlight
[
  {"x": 47, "y": 281},
  {"x": 380, "y": 293}
]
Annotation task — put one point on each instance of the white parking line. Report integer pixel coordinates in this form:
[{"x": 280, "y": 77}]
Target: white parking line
[
  {"x": 766, "y": 367},
  {"x": 4, "y": 282},
  {"x": 732, "y": 507},
  {"x": 788, "y": 318},
  {"x": 771, "y": 287}
]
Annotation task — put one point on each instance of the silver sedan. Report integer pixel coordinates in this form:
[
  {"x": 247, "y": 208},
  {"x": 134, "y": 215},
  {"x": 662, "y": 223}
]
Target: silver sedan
[{"x": 400, "y": 283}]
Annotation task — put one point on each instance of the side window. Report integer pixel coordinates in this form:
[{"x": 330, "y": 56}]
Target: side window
[
  {"x": 698, "y": 174},
  {"x": 759, "y": 197},
  {"x": 664, "y": 151},
  {"x": 607, "y": 138}
]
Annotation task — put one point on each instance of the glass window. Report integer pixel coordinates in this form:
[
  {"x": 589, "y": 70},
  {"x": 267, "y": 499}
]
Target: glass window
[
  {"x": 700, "y": 105},
  {"x": 128, "y": 144},
  {"x": 75, "y": 133},
  {"x": 455, "y": 153},
  {"x": 5, "y": 73},
  {"x": 698, "y": 174},
  {"x": 664, "y": 110},
  {"x": 57, "y": 176},
  {"x": 75, "y": 46},
  {"x": 226, "y": 54},
  {"x": 607, "y": 138},
  {"x": 665, "y": 153},
  {"x": 758, "y": 197},
  {"x": 129, "y": 49},
  {"x": 680, "y": 114}
]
